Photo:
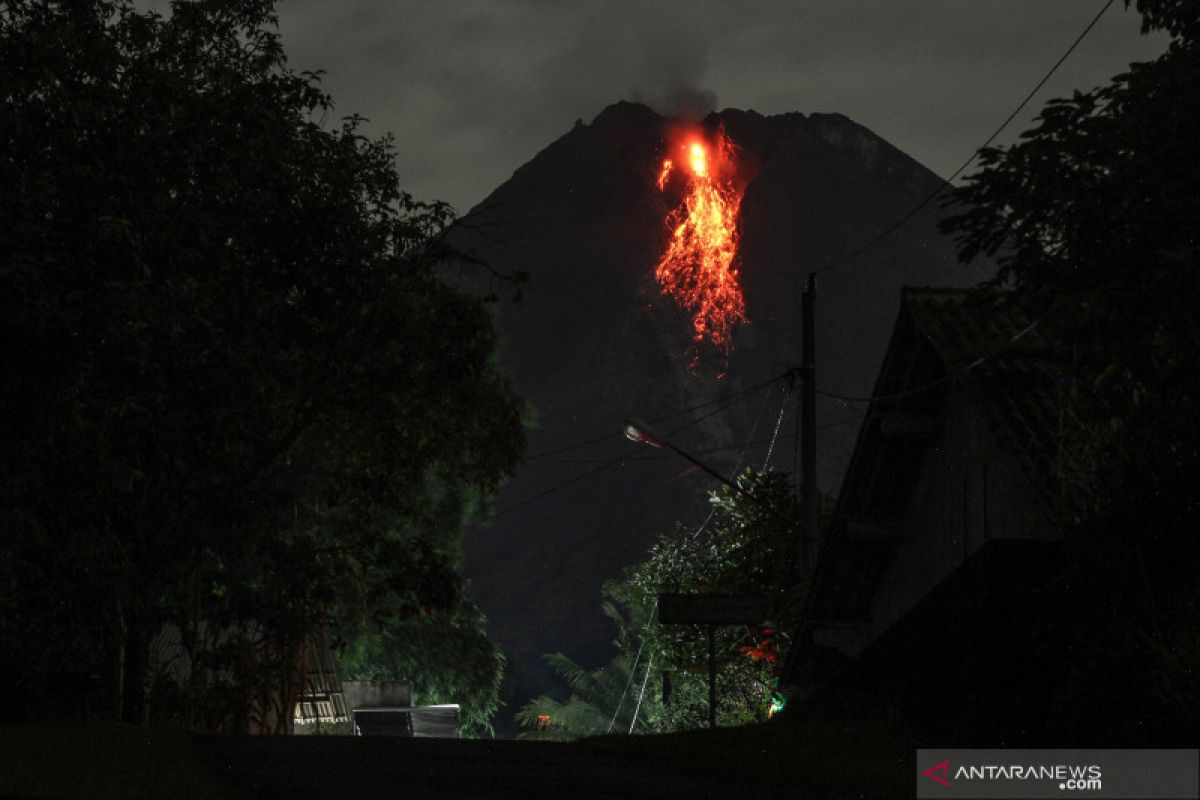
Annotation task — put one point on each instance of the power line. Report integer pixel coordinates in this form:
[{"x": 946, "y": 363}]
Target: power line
[
  {"x": 739, "y": 396},
  {"x": 575, "y": 446},
  {"x": 1001, "y": 350},
  {"x": 712, "y": 512},
  {"x": 711, "y": 451},
  {"x": 620, "y": 457},
  {"x": 948, "y": 182},
  {"x": 632, "y": 670},
  {"x": 645, "y": 681},
  {"x": 938, "y": 381},
  {"x": 722, "y": 448},
  {"x": 775, "y": 435},
  {"x": 762, "y": 409},
  {"x": 557, "y": 487}
]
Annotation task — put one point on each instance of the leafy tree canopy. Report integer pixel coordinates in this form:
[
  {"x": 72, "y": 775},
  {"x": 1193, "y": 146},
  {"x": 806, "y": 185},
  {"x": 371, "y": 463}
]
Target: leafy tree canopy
[
  {"x": 235, "y": 386},
  {"x": 600, "y": 701},
  {"x": 1093, "y": 217},
  {"x": 445, "y": 658},
  {"x": 747, "y": 546}
]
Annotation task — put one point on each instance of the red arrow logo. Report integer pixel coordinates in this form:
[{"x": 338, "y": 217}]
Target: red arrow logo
[{"x": 943, "y": 768}]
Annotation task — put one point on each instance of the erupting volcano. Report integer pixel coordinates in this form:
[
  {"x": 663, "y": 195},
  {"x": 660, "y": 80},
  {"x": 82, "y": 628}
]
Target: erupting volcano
[
  {"x": 587, "y": 221},
  {"x": 699, "y": 268}
]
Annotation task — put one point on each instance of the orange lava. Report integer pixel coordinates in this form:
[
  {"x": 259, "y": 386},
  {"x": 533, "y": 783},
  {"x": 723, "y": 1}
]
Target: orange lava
[{"x": 699, "y": 269}]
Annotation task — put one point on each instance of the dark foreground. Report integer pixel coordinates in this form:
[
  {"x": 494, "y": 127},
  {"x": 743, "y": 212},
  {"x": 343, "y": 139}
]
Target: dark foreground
[
  {"x": 379, "y": 767},
  {"x": 795, "y": 760}
]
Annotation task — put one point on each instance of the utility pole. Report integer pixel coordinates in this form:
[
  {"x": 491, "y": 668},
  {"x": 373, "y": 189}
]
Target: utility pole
[{"x": 808, "y": 426}]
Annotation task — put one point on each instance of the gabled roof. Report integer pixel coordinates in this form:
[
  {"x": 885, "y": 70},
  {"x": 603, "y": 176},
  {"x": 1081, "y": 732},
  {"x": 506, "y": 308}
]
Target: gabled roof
[
  {"x": 997, "y": 350},
  {"x": 963, "y": 324},
  {"x": 966, "y": 337}
]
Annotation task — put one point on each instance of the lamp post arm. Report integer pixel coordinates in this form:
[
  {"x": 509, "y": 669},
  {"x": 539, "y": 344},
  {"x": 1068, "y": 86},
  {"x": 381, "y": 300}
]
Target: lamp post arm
[
  {"x": 638, "y": 431},
  {"x": 706, "y": 468}
]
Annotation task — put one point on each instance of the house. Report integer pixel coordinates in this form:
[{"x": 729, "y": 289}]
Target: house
[
  {"x": 933, "y": 593},
  {"x": 321, "y": 701},
  {"x": 302, "y": 688}
]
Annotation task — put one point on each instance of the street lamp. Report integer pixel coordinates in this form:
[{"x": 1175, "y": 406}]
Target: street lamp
[
  {"x": 638, "y": 431},
  {"x": 701, "y": 609}
]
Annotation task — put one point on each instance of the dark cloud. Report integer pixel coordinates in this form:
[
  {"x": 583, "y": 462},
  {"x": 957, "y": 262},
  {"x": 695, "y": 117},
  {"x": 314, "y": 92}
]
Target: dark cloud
[{"x": 472, "y": 90}]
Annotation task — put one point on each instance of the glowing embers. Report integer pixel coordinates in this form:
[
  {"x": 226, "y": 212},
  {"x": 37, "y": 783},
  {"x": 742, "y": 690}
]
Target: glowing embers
[{"x": 699, "y": 268}]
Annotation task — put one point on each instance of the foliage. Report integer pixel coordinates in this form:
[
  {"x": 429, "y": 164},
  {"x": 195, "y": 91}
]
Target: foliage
[
  {"x": 444, "y": 657},
  {"x": 235, "y": 386},
  {"x": 1094, "y": 217},
  {"x": 601, "y": 701},
  {"x": 444, "y": 654},
  {"x": 747, "y": 547}
]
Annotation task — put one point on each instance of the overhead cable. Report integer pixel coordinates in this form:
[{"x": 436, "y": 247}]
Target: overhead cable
[
  {"x": 616, "y": 433},
  {"x": 937, "y": 381},
  {"x": 948, "y": 182}
]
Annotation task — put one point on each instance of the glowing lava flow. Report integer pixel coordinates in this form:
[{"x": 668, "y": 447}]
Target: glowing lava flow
[{"x": 698, "y": 268}]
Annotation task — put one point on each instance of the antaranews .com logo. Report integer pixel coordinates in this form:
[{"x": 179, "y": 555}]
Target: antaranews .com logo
[
  {"x": 1133, "y": 774},
  {"x": 1068, "y": 776}
]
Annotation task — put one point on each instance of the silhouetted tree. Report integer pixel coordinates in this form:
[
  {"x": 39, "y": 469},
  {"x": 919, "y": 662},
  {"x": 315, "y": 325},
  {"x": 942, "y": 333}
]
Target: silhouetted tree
[
  {"x": 234, "y": 387},
  {"x": 1093, "y": 219},
  {"x": 1094, "y": 216}
]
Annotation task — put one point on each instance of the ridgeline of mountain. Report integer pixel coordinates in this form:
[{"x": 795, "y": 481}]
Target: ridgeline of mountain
[{"x": 592, "y": 342}]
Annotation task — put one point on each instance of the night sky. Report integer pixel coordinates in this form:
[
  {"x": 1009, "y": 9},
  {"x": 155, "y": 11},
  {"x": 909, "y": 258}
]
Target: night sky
[{"x": 472, "y": 90}]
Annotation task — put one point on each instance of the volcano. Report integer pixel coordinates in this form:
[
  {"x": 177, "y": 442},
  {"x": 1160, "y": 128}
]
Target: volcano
[{"x": 593, "y": 340}]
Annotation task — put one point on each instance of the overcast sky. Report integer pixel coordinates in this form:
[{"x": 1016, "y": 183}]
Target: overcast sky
[{"x": 474, "y": 89}]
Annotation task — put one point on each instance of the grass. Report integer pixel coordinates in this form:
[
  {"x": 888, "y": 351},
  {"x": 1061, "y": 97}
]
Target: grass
[
  {"x": 102, "y": 761},
  {"x": 821, "y": 756}
]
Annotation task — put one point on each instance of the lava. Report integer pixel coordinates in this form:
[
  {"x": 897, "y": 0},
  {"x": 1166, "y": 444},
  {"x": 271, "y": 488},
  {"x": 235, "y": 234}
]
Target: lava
[
  {"x": 699, "y": 267},
  {"x": 665, "y": 173}
]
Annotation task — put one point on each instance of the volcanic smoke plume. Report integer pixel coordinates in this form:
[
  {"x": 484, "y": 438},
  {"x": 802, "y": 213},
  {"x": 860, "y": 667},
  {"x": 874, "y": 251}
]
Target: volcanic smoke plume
[{"x": 680, "y": 101}]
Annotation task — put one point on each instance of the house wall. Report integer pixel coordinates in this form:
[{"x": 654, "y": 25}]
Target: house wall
[
  {"x": 970, "y": 491},
  {"x": 168, "y": 663}
]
